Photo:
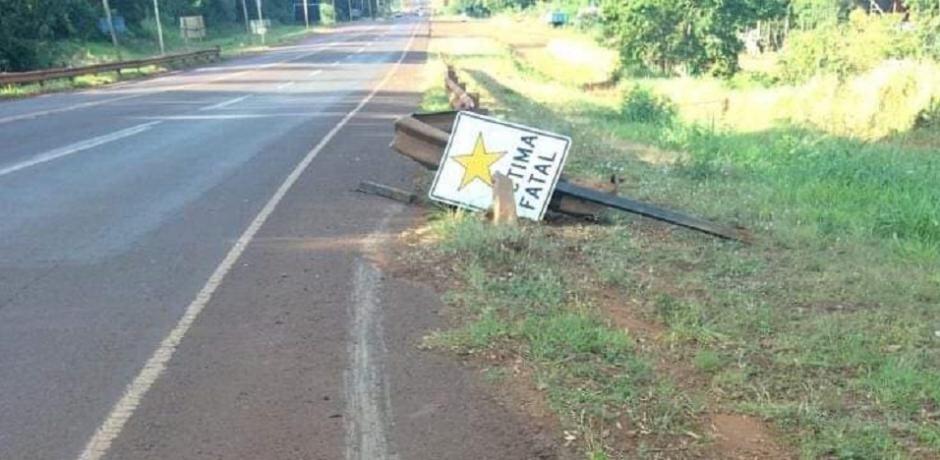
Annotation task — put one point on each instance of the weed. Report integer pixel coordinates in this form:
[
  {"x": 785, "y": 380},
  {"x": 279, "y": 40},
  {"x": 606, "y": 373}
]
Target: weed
[
  {"x": 708, "y": 361},
  {"x": 640, "y": 105}
]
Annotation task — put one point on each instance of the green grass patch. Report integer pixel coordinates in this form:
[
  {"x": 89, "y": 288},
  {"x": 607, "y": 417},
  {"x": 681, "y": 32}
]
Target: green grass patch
[
  {"x": 515, "y": 300},
  {"x": 828, "y": 325}
]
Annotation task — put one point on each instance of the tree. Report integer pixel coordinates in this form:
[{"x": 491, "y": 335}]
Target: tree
[
  {"x": 696, "y": 36},
  {"x": 27, "y": 28}
]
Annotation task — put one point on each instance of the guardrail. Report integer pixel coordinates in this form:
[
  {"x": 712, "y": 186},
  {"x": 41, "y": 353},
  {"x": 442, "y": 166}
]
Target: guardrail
[
  {"x": 424, "y": 137},
  {"x": 41, "y": 76},
  {"x": 460, "y": 99}
]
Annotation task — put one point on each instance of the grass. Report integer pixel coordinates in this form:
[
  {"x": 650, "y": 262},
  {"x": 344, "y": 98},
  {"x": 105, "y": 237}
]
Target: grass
[
  {"x": 233, "y": 41},
  {"x": 516, "y": 300},
  {"x": 828, "y": 326}
]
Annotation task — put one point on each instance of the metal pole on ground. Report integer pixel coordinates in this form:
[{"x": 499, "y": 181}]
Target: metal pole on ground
[
  {"x": 349, "y": 10},
  {"x": 114, "y": 40},
  {"x": 261, "y": 27},
  {"x": 156, "y": 15}
]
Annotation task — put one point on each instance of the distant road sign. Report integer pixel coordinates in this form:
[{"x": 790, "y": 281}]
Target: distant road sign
[
  {"x": 482, "y": 146},
  {"x": 260, "y": 27},
  {"x": 120, "y": 26},
  {"x": 192, "y": 27}
]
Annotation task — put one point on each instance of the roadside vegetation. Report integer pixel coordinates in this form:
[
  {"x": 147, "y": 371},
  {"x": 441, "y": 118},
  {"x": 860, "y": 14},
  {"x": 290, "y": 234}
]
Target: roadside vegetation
[
  {"x": 232, "y": 42},
  {"x": 821, "y": 339},
  {"x": 36, "y": 34}
]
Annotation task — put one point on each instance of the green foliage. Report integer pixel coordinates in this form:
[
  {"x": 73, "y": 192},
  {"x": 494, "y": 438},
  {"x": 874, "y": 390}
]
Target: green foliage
[
  {"x": 327, "y": 14},
  {"x": 683, "y": 35},
  {"x": 810, "y": 14},
  {"x": 484, "y": 8},
  {"x": 32, "y": 32},
  {"x": 846, "y": 48},
  {"x": 708, "y": 361},
  {"x": 640, "y": 105},
  {"x": 28, "y": 28}
]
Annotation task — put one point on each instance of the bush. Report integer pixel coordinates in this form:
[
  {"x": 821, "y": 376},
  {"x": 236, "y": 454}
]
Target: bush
[
  {"x": 895, "y": 97},
  {"x": 327, "y": 14},
  {"x": 640, "y": 105},
  {"x": 848, "y": 48}
]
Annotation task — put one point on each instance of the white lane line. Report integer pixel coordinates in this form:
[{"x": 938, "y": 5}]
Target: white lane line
[
  {"x": 368, "y": 406},
  {"x": 360, "y": 50},
  {"x": 315, "y": 73},
  {"x": 246, "y": 116},
  {"x": 334, "y": 64},
  {"x": 284, "y": 86},
  {"x": 27, "y": 116},
  {"x": 76, "y": 147},
  {"x": 40, "y": 113},
  {"x": 122, "y": 411},
  {"x": 227, "y": 103}
]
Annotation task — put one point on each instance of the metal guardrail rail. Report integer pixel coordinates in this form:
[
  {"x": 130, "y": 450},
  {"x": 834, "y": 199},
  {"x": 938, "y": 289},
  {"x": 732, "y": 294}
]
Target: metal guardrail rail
[
  {"x": 41, "y": 76},
  {"x": 460, "y": 99},
  {"x": 424, "y": 137}
]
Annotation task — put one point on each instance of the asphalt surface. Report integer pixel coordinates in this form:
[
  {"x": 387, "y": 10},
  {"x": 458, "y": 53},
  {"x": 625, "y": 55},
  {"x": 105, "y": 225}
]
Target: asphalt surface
[{"x": 185, "y": 270}]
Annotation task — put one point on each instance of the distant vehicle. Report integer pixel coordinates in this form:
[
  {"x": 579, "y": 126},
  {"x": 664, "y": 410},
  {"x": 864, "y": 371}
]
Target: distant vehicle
[{"x": 556, "y": 18}]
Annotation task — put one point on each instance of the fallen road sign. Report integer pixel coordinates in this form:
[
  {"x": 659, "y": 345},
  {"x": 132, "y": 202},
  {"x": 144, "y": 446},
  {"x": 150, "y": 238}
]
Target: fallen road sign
[
  {"x": 424, "y": 137},
  {"x": 481, "y": 146}
]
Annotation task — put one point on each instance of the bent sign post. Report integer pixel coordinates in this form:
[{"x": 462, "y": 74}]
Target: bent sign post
[{"x": 480, "y": 147}]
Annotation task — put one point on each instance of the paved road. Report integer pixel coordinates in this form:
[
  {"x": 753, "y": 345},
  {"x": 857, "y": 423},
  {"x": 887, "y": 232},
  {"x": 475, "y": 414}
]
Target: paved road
[{"x": 184, "y": 270}]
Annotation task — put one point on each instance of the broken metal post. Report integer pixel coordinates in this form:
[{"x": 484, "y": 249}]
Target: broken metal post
[{"x": 504, "y": 201}]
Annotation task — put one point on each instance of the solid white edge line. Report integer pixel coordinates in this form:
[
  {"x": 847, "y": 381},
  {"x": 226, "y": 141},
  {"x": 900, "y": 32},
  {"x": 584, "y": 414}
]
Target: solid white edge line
[
  {"x": 97, "y": 447},
  {"x": 76, "y": 147}
]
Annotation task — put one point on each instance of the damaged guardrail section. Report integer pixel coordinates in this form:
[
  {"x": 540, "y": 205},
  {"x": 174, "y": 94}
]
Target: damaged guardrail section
[
  {"x": 424, "y": 138},
  {"x": 42, "y": 76}
]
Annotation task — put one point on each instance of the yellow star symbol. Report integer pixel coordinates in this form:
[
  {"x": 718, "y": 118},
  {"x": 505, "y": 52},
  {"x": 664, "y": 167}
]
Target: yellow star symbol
[{"x": 477, "y": 164}]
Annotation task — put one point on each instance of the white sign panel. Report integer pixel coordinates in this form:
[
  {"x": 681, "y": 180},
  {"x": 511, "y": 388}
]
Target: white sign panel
[{"x": 480, "y": 147}]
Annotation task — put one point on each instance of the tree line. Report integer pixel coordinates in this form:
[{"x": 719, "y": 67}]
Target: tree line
[
  {"x": 705, "y": 36},
  {"x": 31, "y": 30}
]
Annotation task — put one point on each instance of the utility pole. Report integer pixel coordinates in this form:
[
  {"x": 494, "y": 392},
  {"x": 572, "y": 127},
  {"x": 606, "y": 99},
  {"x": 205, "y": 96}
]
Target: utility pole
[
  {"x": 349, "y": 10},
  {"x": 247, "y": 19},
  {"x": 306, "y": 15},
  {"x": 371, "y": 11},
  {"x": 114, "y": 40},
  {"x": 261, "y": 27},
  {"x": 156, "y": 14}
]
